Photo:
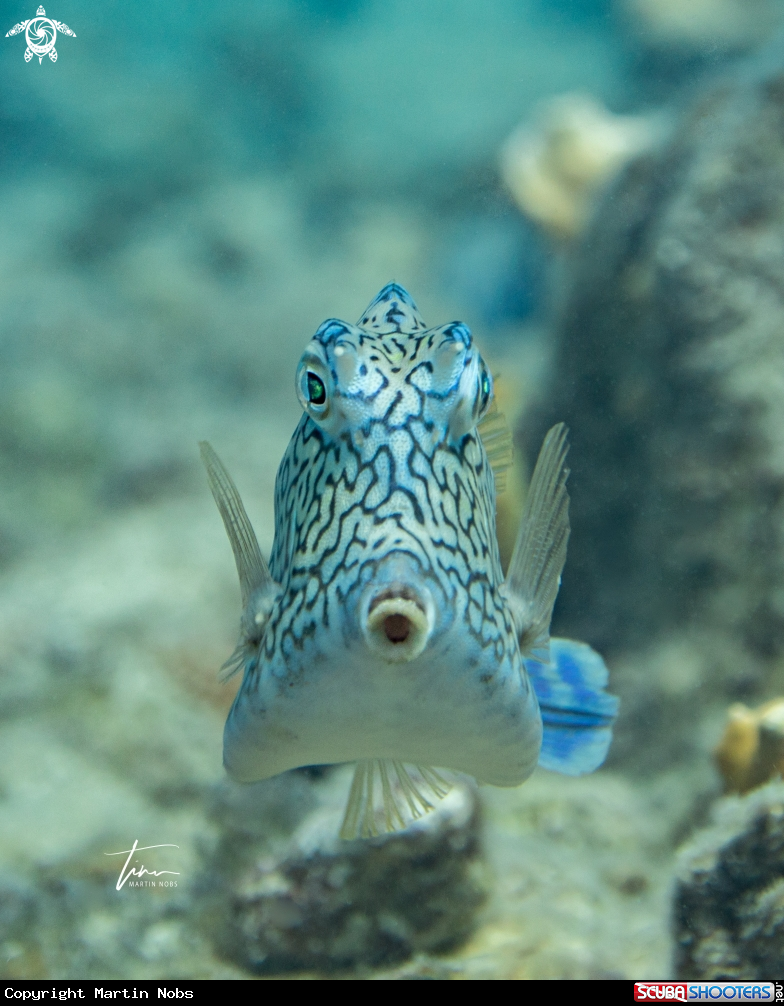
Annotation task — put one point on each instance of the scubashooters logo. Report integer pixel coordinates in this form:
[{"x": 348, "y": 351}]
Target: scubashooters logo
[{"x": 706, "y": 991}]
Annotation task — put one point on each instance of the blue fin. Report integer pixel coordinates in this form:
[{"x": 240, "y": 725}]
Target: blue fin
[{"x": 577, "y": 713}]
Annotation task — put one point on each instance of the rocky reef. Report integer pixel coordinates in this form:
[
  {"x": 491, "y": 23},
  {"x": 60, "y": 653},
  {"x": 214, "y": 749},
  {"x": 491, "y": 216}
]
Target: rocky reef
[
  {"x": 319, "y": 903},
  {"x": 669, "y": 375},
  {"x": 729, "y": 897}
]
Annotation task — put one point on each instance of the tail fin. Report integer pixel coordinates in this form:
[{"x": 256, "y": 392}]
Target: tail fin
[{"x": 577, "y": 713}]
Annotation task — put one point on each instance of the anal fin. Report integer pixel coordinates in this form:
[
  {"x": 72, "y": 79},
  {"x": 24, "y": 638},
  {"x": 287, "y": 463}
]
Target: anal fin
[{"x": 404, "y": 793}]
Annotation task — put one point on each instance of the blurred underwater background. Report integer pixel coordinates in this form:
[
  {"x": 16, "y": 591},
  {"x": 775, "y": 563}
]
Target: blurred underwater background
[{"x": 596, "y": 188}]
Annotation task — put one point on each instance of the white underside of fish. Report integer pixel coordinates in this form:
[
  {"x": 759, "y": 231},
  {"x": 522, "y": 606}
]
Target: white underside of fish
[{"x": 347, "y": 707}]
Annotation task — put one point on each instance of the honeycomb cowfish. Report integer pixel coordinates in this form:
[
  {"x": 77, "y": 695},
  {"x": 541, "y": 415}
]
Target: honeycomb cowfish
[{"x": 383, "y": 631}]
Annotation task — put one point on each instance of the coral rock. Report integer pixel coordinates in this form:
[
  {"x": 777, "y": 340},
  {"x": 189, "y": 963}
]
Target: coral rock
[
  {"x": 729, "y": 899},
  {"x": 669, "y": 376},
  {"x": 316, "y": 902}
]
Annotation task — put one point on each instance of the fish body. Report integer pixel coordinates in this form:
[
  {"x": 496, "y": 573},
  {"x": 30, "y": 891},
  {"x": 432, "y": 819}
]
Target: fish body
[{"x": 384, "y": 630}]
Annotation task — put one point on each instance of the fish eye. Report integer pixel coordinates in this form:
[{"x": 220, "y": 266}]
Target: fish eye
[
  {"x": 485, "y": 393},
  {"x": 316, "y": 392},
  {"x": 313, "y": 387}
]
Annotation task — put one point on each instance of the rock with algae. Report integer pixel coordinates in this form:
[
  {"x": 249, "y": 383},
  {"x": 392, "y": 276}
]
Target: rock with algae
[
  {"x": 729, "y": 897},
  {"x": 279, "y": 899},
  {"x": 670, "y": 379}
]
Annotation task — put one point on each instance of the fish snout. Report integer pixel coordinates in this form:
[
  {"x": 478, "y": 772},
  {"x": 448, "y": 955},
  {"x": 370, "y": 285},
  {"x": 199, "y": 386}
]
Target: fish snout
[{"x": 397, "y": 621}]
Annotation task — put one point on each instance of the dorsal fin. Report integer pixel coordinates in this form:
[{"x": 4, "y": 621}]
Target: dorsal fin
[
  {"x": 251, "y": 567},
  {"x": 534, "y": 573},
  {"x": 392, "y": 311},
  {"x": 259, "y": 591},
  {"x": 496, "y": 438}
]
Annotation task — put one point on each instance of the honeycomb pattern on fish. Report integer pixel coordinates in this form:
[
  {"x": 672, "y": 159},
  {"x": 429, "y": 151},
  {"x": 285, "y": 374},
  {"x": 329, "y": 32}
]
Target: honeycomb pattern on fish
[
  {"x": 384, "y": 631},
  {"x": 342, "y": 504}
]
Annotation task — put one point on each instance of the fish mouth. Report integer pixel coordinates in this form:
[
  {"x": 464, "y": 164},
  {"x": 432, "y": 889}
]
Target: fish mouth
[{"x": 398, "y": 622}]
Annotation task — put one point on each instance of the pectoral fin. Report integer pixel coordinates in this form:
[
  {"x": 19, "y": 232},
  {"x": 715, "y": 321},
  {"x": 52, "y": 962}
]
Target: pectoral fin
[
  {"x": 259, "y": 591},
  {"x": 534, "y": 574}
]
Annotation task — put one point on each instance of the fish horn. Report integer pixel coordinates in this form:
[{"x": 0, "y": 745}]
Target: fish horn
[
  {"x": 259, "y": 591},
  {"x": 534, "y": 574}
]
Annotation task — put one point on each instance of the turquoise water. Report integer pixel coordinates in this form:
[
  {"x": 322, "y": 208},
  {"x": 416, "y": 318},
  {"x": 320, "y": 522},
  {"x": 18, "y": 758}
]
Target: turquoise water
[{"x": 188, "y": 191}]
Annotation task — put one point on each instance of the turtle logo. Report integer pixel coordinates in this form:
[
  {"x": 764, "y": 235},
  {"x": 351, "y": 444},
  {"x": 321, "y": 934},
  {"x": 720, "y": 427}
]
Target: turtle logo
[{"x": 40, "y": 33}]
